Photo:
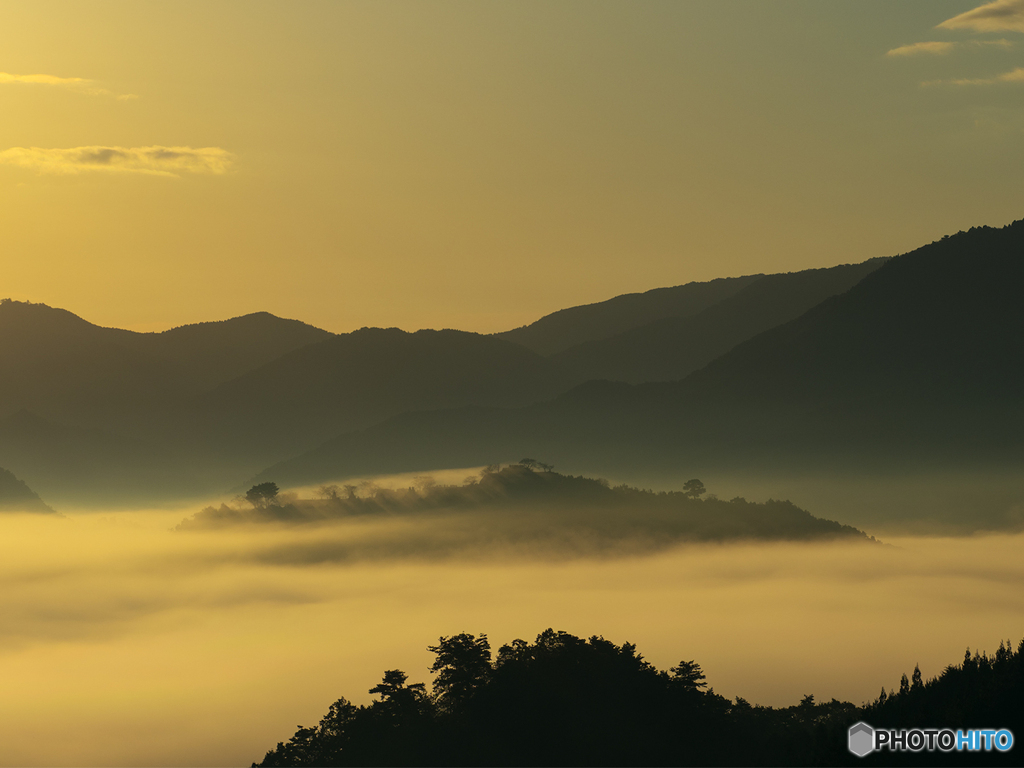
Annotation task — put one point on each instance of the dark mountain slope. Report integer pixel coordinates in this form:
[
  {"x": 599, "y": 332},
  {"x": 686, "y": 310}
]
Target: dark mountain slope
[
  {"x": 356, "y": 379},
  {"x": 920, "y": 364},
  {"x": 62, "y": 367},
  {"x": 923, "y": 360},
  {"x": 943, "y": 323},
  {"x": 100, "y": 410},
  {"x": 57, "y": 364},
  {"x": 91, "y": 414},
  {"x": 215, "y": 352},
  {"x": 577, "y": 325},
  {"x": 15, "y": 496},
  {"x": 87, "y": 466},
  {"x": 671, "y": 348}
]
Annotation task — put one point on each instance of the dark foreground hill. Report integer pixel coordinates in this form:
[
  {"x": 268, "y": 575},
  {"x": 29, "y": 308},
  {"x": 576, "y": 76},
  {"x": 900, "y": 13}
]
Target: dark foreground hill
[
  {"x": 15, "y": 496},
  {"x": 918, "y": 366},
  {"x": 565, "y": 700}
]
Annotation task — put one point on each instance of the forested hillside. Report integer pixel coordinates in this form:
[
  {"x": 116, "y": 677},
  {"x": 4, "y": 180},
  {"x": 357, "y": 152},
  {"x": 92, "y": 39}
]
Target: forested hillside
[{"x": 566, "y": 700}]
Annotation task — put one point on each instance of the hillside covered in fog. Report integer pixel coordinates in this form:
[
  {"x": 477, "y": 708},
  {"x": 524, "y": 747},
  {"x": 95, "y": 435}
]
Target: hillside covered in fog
[
  {"x": 522, "y": 509},
  {"x": 910, "y": 365},
  {"x": 98, "y": 415},
  {"x": 15, "y": 496},
  {"x": 918, "y": 368}
]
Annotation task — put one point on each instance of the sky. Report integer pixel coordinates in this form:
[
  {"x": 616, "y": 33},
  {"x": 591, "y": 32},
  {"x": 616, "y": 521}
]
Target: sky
[{"x": 476, "y": 165}]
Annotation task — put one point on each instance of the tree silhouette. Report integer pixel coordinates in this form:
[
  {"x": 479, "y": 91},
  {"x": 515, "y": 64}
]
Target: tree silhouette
[
  {"x": 688, "y": 676},
  {"x": 330, "y": 492},
  {"x": 263, "y": 495},
  {"x": 463, "y": 665},
  {"x": 534, "y": 465},
  {"x": 565, "y": 700},
  {"x": 694, "y": 488},
  {"x": 393, "y": 690}
]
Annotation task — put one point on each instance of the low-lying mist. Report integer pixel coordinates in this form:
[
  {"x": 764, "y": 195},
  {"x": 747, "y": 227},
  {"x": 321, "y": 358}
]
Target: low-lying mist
[
  {"x": 927, "y": 500},
  {"x": 153, "y": 646},
  {"x": 519, "y": 509}
]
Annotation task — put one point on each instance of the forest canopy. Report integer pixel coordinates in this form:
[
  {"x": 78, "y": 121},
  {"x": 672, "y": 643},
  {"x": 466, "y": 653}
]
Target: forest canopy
[{"x": 565, "y": 700}]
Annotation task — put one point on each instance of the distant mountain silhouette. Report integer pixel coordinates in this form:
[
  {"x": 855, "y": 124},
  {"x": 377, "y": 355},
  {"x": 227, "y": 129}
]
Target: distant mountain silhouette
[
  {"x": 62, "y": 367},
  {"x": 924, "y": 355},
  {"x": 577, "y": 325},
  {"x": 94, "y": 413},
  {"x": 922, "y": 362},
  {"x": 354, "y": 380},
  {"x": 918, "y": 360},
  {"x": 125, "y": 415},
  {"x": 89, "y": 466},
  {"x": 214, "y": 352},
  {"x": 102, "y": 412},
  {"x": 15, "y": 496},
  {"x": 671, "y": 348}
]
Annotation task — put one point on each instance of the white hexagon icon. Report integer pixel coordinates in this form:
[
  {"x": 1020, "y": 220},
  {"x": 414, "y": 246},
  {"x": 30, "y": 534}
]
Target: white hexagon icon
[{"x": 861, "y": 739}]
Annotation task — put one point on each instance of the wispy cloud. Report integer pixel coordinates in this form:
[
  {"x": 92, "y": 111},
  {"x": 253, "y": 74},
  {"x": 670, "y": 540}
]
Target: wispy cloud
[
  {"x": 935, "y": 47},
  {"x": 1013, "y": 76},
  {"x": 932, "y": 47},
  {"x": 154, "y": 161},
  {"x": 998, "y": 16},
  {"x": 80, "y": 84}
]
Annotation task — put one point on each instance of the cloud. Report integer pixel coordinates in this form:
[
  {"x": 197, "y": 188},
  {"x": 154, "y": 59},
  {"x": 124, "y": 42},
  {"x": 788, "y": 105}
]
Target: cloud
[
  {"x": 933, "y": 47},
  {"x": 999, "y": 16},
  {"x": 80, "y": 84},
  {"x": 936, "y": 47},
  {"x": 155, "y": 161},
  {"x": 1013, "y": 76},
  {"x": 67, "y": 82}
]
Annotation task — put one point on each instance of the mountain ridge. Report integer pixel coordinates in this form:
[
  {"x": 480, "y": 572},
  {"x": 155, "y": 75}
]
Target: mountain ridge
[
  {"x": 565, "y": 328},
  {"x": 671, "y": 348},
  {"x": 16, "y": 496},
  {"x": 746, "y": 408}
]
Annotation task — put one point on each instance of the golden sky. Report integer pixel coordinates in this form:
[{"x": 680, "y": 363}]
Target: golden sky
[{"x": 476, "y": 164}]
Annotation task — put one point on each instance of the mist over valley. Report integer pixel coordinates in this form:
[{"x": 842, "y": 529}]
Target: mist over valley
[{"x": 527, "y": 383}]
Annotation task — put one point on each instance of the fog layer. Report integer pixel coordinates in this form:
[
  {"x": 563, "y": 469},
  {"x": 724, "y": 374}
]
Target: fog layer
[{"x": 124, "y": 643}]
